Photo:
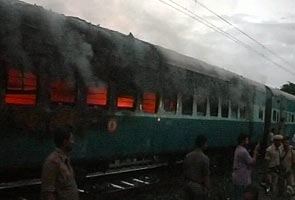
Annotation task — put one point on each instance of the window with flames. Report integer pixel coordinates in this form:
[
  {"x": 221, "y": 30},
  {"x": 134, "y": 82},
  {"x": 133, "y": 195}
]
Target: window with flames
[
  {"x": 62, "y": 91},
  {"x": 21, "y": 87},
  {"x": 97, "y": 96}
]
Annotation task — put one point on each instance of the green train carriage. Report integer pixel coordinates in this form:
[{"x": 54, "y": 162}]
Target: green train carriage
[{"x": 124, "y": 97}]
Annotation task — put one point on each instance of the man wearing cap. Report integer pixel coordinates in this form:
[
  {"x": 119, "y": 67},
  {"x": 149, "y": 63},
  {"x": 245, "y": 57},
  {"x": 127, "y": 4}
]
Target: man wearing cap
[
  {"x": 272, "y": 157},
  {"x": 288, "y": 161}
]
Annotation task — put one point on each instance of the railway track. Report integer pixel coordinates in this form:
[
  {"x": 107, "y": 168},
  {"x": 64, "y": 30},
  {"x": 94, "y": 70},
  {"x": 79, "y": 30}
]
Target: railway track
[{"x": 100, "y": 185}]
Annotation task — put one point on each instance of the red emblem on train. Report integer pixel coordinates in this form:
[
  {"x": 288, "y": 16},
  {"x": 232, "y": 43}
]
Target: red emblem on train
[{"x": 112, "y": 125}]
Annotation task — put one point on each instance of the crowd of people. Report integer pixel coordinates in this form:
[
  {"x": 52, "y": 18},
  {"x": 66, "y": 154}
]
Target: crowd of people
[
  {"x": 279, "y": 160},
  {"x": 58, "y": 181}
]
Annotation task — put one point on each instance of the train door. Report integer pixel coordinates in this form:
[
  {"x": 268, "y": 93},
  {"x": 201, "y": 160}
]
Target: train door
[
  {"x": 282, "y": 116},
  {"x": 267, "y": 115}
]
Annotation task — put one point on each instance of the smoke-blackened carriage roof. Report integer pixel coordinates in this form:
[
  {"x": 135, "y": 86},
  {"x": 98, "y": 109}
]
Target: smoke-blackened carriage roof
[{"x": 142, "y": 53}]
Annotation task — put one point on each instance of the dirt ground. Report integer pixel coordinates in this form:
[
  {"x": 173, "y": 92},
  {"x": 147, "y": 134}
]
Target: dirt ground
[{"x": 222, "y": 188}]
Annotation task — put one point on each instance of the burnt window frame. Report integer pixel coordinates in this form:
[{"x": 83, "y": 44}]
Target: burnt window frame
[
  {"x": 203, "y": 103},
  {"x": 236, "y": 106},
  {"x": 157, "y": 103},
  {"x": 123, "y": 93},
  {"x": 216, "y": 107},
  {"x": 22, "y": 91},
  {"x": 287, "y": 117},
  {"x": 95, "y": 106},
  {"x": 75, "y": 91},
  {"x": 171, "y": 96},
  {"x": 222, "y": 101},
  {"x": 191, "y": 110},
  {"x": 244, "y": 109},
  {"x": 274, "y": 115}
]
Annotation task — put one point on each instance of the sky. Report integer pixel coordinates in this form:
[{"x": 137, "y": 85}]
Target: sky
[{"x": 269, "y": 22}]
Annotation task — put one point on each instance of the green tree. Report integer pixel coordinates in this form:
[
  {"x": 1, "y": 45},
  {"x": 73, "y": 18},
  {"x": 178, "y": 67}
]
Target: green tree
[{"x": 289, "y": 88}]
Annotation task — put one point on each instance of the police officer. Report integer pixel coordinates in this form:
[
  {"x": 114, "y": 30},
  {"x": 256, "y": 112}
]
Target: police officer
[
  {"x": 272, "y": 157},
  {"x": 196, "y": 171},
  {"x": 287, "y": 161}
]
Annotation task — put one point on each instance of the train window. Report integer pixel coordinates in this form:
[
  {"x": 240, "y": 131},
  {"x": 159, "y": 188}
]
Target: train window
[
  {"x": 214, "y": 106},
  {"x": 187, "y": 105},
  {"x": 242, "y": 112},
  {"x": 97, "y": 96},
  {"x": 292, "y": 117},
  {"x": 21, "y": 88},
  {"x": 170, "y": 102},
  {"x": 234, "y": 110},
  {"x": 126, "y": 101},
  {"x": 274, "y": 115},
  {"x": 201, "y": 106},
  {"x": 260, "y": 114},
  {"x": 62, "y": 91},
  {"x": 278, "y": 116},
  {"x": 149, "y": 102},
  {"x": 224, "y": 108}
]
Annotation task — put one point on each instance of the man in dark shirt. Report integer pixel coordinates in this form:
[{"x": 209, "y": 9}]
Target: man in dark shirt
[
  {"x": 196, "y": 171},
  {"x": 58, "y": 181}
]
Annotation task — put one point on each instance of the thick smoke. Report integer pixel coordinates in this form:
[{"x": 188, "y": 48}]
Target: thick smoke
[
  {"x": 11, "y": 37},
  {"x": 72, "y": 52},
  {"x": 76, "y": 54},
  {"x": 72, "y": 46}
]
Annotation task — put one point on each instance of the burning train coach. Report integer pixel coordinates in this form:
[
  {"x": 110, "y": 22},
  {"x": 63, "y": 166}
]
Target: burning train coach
[{"x": 124, "y": 97}]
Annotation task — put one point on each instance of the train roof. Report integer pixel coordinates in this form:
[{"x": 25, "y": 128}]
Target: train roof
[
  {"x": 176, "y": 59},
  {"x": 288, "y": 96},
  {"x": 170, "y": 57},
  {"x": 278, "y": 92}
]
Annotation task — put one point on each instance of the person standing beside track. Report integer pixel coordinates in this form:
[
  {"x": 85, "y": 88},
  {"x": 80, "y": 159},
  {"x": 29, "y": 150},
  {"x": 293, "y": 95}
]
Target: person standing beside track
[
  {"x": 272, "y": 157},
  {"x": 196, "y": 171},
  {"x": 242, "y": 166},
  {"x": 293, "y": 141},
  {"x": 287, "y": 161},
  {"x": 57, "y": 180}
]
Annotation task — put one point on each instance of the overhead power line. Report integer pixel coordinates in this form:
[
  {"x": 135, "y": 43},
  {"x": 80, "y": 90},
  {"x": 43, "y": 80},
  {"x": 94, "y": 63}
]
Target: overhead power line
[
  {"x": 219, "y": 30},
  {"x": 244, "y": 33}
]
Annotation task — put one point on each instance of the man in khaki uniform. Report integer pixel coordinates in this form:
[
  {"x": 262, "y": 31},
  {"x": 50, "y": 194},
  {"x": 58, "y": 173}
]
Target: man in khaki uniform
[
  {"x": 272, "y": 157},
  {"x": 58, "y": 181},
  {"x": 196, "y": 172},
  {"x": 288, "y": 160}
]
